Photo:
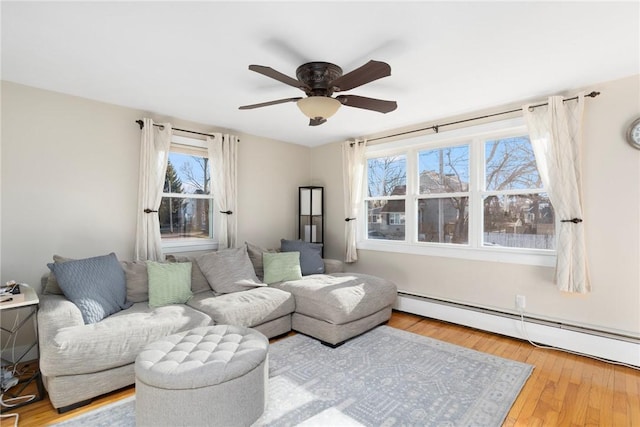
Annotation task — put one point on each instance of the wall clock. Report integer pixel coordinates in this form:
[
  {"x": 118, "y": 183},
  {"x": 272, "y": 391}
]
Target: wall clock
[{"x": 633, "y": 134}]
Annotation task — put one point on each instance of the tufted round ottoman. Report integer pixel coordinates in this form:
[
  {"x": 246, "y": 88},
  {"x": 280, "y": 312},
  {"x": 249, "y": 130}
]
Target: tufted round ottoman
[{"x": 213, "y": 375}]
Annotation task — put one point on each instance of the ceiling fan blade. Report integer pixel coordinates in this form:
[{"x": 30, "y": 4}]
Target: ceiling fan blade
[
  {"x": 277, "y": 75},
  {"x": 266, "y": 104},
  {"x": 316, "y": 122},
  {"x": 372, "y": 70},
  {"x": 356, "y": 101}
]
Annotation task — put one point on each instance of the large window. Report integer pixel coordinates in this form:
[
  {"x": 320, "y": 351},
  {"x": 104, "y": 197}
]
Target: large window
[
  {"x": 186, "y": 210},
  {"x": 472, "y": 193}
]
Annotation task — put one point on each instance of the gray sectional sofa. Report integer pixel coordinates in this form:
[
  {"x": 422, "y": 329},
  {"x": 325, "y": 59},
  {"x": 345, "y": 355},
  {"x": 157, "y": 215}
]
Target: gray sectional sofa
[{"x": 80, "y": 361}]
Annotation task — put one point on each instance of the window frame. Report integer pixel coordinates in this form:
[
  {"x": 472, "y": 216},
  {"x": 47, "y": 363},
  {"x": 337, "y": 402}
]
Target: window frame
[
  {"x": 442, "y": 195},
  {"x": 474, "y": 249},
  {"x": 184, "y": 145}
]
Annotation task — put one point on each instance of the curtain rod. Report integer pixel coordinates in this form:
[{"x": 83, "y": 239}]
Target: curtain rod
[
  {"x": 141, "y": 124},
  {"x": 436, "y": 128}
]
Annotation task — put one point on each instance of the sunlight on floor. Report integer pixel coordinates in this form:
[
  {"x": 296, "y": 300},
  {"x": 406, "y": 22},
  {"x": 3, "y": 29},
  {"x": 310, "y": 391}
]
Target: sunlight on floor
[{"x": 291, "y": 396}]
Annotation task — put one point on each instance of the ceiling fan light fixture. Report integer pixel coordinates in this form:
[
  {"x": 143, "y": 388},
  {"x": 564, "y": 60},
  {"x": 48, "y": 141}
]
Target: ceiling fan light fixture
[{"x": 316, "y": 107}]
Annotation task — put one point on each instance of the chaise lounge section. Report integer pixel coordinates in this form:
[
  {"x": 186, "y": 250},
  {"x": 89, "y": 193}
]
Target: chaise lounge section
[{"x": 334, "y": 308}]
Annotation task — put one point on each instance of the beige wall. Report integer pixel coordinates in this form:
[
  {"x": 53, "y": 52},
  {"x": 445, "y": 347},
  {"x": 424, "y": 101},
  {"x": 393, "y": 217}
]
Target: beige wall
[
  {"x": 326, "y": 169},
  {"x": 69, "y": 186},
  {"x": 612, "y": 219},
  {"x": 70, "y": 180}
]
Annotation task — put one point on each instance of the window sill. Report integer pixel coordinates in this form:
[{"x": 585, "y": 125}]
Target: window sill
[
  {"x": 189, "y": 245},
  {"x": 493, "y": 254}
]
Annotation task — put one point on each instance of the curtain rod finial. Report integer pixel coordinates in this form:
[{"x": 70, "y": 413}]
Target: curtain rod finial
[{"x": 140, "y": 123}]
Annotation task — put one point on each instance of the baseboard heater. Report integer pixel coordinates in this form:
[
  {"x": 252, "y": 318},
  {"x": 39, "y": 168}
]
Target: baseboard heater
[{"x": 602, "y": 344}]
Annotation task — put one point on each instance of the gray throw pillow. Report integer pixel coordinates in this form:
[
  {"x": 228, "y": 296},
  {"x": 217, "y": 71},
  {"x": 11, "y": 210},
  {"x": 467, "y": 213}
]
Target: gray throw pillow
[
  {"x": 137, "y": 280},
  {"x": 198, "y": 281},
  {"x": 310, "y": 255},
  {"x": 255, "y": 255},
  {"x": 228, "y": 270},
  {"x": 96, "y": 285}
]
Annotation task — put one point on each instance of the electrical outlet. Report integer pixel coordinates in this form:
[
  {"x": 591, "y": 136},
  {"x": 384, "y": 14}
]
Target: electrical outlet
[{"x": 521, "y": 302}]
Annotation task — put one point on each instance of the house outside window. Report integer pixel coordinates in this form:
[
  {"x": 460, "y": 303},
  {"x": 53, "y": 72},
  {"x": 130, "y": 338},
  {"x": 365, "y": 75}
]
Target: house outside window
[
  {"x": 443, "y": 194},
  {"x": 396, "y": 218},
  {"x": 469, "y": 193},
  {"x": 386, "y": 194},
  {"x": 517, "y": 212},
  {"x": 186, "y": 209}
]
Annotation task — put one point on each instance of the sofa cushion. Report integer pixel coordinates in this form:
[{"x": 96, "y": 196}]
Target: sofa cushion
[
  {"x": 255, "y": 255},
  {"x": 169, "y": 283},
  {"x": 310, "y": 255},
  {"x": 340, "y": 298},
  {"x": 281, "y": 266},
  {"x": 228, "y": 270},
  {"x": 112, "y": 342},
  {"x": 332, "y": 266},
  {"x": 249, "y": 308},
  {"x": 137, "y": 280},
  {"x": 96, "y": 285},
  {"x": 198, "y": 281}
]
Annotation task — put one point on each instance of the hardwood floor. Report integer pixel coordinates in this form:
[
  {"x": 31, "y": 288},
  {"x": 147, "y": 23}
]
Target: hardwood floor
[{"x": 563, "y": 390}]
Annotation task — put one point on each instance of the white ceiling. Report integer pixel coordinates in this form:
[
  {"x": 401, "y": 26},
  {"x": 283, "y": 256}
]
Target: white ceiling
[{"x": 189, "y": 60}]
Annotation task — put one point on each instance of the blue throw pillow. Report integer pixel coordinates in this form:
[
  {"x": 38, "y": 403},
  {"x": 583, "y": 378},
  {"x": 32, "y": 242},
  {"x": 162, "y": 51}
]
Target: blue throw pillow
[
  {"x": 310, "y": 255},
  {"x": 96, "y": 285}
]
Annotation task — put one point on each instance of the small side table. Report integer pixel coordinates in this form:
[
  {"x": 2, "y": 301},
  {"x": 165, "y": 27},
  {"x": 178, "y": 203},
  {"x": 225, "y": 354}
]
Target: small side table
[{"x": 30, "y": 302}]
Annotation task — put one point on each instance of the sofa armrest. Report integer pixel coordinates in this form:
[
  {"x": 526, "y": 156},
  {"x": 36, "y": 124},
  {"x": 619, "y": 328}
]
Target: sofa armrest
[
  {"x": 333, "y": 266},
  {"x": 54, "y": 313}
]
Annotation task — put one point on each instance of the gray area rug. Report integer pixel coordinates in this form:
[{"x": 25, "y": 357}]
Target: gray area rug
[{"x": 386, "y": 377}]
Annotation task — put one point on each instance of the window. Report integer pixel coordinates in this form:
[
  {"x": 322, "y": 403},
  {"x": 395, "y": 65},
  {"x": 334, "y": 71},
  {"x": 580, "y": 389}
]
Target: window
[
  {"x": 471, "y": 193},
  {"x": 517, "y": 212},
  {"x": 186, "y": 210},
  {"x": 386, "y": 191},
  {"x": 443, "y": 186}
]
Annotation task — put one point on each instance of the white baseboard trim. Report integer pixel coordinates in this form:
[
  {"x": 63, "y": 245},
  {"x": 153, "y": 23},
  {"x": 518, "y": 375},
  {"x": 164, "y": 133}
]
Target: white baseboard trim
[{"x": 609, "y": 348}]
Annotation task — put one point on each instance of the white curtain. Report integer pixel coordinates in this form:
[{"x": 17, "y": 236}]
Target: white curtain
[
  {"x": 556, "y": 137},
  {"x": 223, "y": 160},
  {"x": 154, "y": 153},
  {"x": 353, "y": 170}
]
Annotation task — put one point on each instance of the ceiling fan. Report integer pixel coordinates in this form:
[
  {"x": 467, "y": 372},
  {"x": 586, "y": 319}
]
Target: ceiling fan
[{"x": 319, "y": 80}]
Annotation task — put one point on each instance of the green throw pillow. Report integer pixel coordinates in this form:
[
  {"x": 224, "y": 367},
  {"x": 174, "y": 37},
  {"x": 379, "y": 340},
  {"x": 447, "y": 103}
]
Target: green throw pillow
[
  {"x": 169, "y": 283},
  {"x": 282, "y": 266}
]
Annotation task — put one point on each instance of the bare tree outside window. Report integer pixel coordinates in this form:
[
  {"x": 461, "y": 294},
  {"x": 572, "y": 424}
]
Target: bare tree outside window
[
  {"x": 387, "y": 188},
  {"x": 197, "y": 174},
  {"x": 510, "y": 164},
  {"x": 185, "y": 210},
  {"x": 515, "y": 213},
  {"x": 387, "y": 176},
  {"x": 443, "y": 215}
]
